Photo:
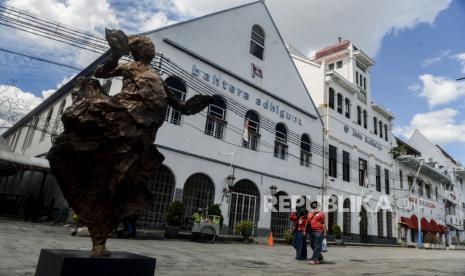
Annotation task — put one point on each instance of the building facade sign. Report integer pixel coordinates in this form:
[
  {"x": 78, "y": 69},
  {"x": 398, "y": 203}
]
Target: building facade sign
[
  {"x": 362, "y": 137},
  {"x": 243, "y": 95}
]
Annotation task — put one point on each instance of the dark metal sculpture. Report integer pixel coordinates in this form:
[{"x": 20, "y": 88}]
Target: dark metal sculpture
[{"x": 105, "y": 159}]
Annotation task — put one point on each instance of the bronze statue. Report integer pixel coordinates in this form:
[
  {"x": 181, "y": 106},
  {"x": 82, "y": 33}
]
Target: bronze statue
[{"x": 105, "y": 159}]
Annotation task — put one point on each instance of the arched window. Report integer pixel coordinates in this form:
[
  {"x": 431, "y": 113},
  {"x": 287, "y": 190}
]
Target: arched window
[
  {"x": 375, "y": 125},
  {"x": 380, "y": 129},
  {"x": 347, "y": 218},
  {"x": 280, "y": 143},
  {"x": 198, "y": 192},
  {"x": 380, "y": 224},
  {"x": 339, "y": 103},
  {"x": 331, "y": 98},
  {"x": 216, "y": 119},
  {"x": 332, "y": 213},
  {"x": 179, "y": 89},
  {"x": 305, "y": 150},
  {"x": 252, "y": 130},
  {"x": 365, "y": 119},
  {"x": 257, "y": 42},
  {"x": 359, "y": 115},
  {"x": 386, "y": 132},
  {"x": 347, "y": 104}
]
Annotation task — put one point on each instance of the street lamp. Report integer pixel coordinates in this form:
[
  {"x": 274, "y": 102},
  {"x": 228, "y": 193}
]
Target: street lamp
[
  {"x": 230, "y": 180},
  {"x": 273, "y": 189}
]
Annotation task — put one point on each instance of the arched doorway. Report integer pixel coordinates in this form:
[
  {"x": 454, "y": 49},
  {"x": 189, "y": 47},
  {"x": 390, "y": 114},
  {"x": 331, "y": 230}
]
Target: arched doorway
[
  {"x": 347, "y": 218},
  {"x": 244, "y": 204},
  {"x": 198, "y": 192},
  {"x": 332, "y": 213},
  {"x": 280, "y": 219},
  {"x": 163, "y": 190},
  {"x": 363, "y": 225}
]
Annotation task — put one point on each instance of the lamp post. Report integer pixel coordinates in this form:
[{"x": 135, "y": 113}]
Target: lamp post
[
  {"x": 273, "y": 189},
  {"x": 230, "y": 180}
]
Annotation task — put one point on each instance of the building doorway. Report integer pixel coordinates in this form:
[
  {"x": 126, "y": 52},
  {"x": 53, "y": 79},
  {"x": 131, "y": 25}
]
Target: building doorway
[
  {"x": 244, "y": 204},
  {"x": 280, "y": 220},
  {"x": 363, "y": 225},
  {"x": 198, "y": 192},
  {"x": 163, "y": 190}
]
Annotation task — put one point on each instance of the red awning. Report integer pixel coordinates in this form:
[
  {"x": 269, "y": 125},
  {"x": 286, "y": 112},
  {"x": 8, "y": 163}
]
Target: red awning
[
  {"x": 406, "y": 221},
  {"x": 425, "y": 225},
  {"x": 414, "y": 220},
  {"x": 434, "y": 226},
  {"x": 444, "y": 229}
]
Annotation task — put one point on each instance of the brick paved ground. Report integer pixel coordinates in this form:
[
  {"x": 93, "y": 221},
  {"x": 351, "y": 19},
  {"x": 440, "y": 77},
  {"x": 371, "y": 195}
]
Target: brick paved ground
[{"x": 20, "y": 244}]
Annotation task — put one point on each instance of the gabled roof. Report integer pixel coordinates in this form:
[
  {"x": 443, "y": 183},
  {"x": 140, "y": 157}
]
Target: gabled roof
[{"x": 447, "y": 155}]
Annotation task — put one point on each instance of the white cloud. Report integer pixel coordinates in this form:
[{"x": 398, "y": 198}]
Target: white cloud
[
  {"x": 440, "y": 126},
  {"x": 155, "y": 21},
  {"x": 414, "y": 87},
  {"x": 436, "y": 59},
  {"x": 461, "y": 59},
  {"x": 14, "y": 104},
  {"x": 440, "y": 90}
]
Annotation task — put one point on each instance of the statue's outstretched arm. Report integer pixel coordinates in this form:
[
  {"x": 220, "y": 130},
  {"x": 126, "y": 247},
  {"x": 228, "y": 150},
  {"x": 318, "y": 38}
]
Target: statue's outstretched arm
[
  {"x": 192, "y": 106},
  {"x": 118, "y": 42}
]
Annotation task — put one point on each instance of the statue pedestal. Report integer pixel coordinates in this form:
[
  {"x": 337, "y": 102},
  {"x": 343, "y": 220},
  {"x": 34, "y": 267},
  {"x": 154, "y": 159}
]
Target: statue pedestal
[{"x": 59, "y": 262}]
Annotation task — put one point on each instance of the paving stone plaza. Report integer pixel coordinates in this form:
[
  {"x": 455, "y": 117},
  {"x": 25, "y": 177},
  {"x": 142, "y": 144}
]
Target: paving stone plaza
[{"x": 20, "y": 245}]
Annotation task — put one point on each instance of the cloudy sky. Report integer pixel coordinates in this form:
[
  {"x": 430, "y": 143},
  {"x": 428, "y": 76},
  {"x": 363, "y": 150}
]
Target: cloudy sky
[{"x": 418, "y": 46}]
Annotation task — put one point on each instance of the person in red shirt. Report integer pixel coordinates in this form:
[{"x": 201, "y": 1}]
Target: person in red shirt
[
  {"x": 301, "y": 226},
  {"x": 316, "y": 219}
]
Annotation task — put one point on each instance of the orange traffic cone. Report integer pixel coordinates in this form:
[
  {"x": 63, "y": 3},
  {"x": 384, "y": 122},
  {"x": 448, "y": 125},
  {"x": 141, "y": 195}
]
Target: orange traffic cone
[{"x": 270, "y": 240}]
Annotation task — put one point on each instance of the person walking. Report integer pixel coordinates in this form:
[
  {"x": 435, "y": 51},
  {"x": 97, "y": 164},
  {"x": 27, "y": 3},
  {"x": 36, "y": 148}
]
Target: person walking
[
  {"x": 299, "y": 241},
  {"x": 316, "y": 220}
]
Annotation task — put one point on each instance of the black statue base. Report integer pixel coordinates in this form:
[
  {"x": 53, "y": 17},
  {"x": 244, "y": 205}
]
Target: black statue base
[{"x": 58, "y": 262}]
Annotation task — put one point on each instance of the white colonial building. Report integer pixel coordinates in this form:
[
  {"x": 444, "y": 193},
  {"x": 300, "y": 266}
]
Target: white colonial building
[
  {"x": 423, "y": 180},
  {"x": 239, "y": 54},
  {"x": 358, "y": 143},
  {"x": 450, "y": 189}
]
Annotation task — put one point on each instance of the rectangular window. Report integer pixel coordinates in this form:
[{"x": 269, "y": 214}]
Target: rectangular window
[
  {"x": 362, "y": 171},
  {"x": 378, "y": 178},
  {"x": 386, "y": 181},
  {"x": 364, "y": 83},
  {"x": 420, "y": 187},
  {"x": 401, "y": 180},
  {"x": 436, "y": 192},
  {"x": 428, "y": 190},
  {"x": 347, "y": 103},
  {"x": 331, "y": 66},
  {"x": 339, "y": 103},
  {"x": 356, "y": 77},
  {"x": 331, "y": 98},
  {"x": 410, "y": 184},
  {"x": 332, "y": 161},
  {"x": 345, "y": 166},
  {"x": 339, "y": 64}
]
